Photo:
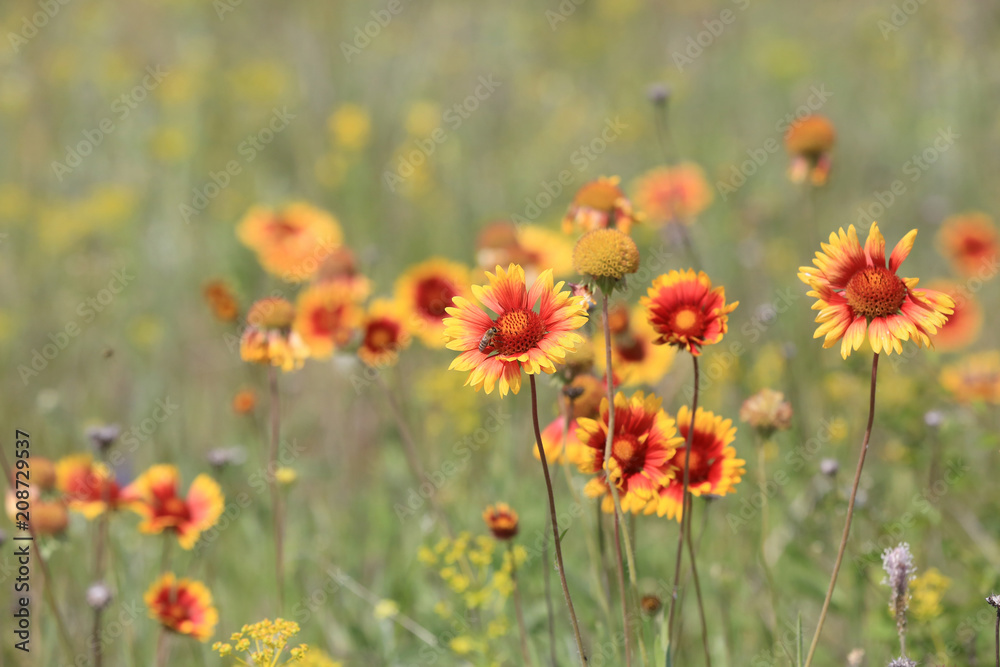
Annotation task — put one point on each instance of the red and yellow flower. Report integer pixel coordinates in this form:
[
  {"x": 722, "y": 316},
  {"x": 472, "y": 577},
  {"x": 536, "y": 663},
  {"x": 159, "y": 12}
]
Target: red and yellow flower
[
  {"x": 560, "y": 442},
  {"x": 183, "y": 606},
  {"x": 971, "y": 242},
  {"x": 975, "y": 377},
  {"x": 89, "y": 488},
  {"x": 534, "y": 248},
  {"x": 501, "y": 520},
  {"x": 341, "y": 266},
  {"x": 809, "y": 141},
  {"x": 686, "y": 312},
  {"x": 268, "y": 337},
  {"x": 712, "y": 468},
  {"x": 154, "y": 495},
  {"x": 426, "y": 291},
  {"x": 857, "y": 293},
  {"x": 327, "y": 316},
  {"x": 965, "y": 322},
  {"x": 291, "y": 243},
  {"x": 521, "y": 337},
  {"x": 383, "y": 334},
  {"x": 635, "y": 356},
  {"x": 600, "y": 204},
  {"x": 668, "y": 194},
  {"x": 644, "y": 440},
  {"x": 244, "y": 401}
]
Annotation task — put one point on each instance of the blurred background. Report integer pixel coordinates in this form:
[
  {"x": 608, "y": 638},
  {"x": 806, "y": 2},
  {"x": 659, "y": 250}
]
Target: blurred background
[{"x": 137, "y": 135}]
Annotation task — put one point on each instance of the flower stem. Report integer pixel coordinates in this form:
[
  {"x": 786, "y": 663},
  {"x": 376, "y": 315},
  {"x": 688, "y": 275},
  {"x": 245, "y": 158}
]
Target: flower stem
[
  {"x": 554, "y": 520},
  {"x": 276, "y": 510},
  {"x": 619, "y": 526},
  {"x": 850, "y": 515},
  {"x": 548, "y": 596},
  {"x": 996, "y": 636},
  {"x": 697, "y": 585},
  {"x": 684, "y": 513},
  {"x": 517, "y": 605},
  {"x": 162, "y": 647},
  {"x": 97, "y": 657}
]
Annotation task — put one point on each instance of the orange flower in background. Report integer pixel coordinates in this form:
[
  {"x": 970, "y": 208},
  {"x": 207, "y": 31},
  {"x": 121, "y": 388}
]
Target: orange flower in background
[
  {"x": 90, "y": 488},
  {"x": 975, "y": 377},
  {"x": 809, "y": 141},
  {"x": 41, "y": 473},
  {"x": 685, "y": 311},
  {"x": 767, "y": 411},
  {"x": 244, "y": 401},
  {"x": 635, "y": 356},
  {"x": 221, "y": 300},
  {"x": 965, "y": 322},
  {"x": 534, "y": 248},
  {"x": 668, "y": 194},
  {"x": 600, "y": 204},
  {"x": 426, "y": 291},
  {"x": 268, "y": 337},
  {"x": 521, "y": 337},
  {"x": 971, "y": 242},
  {"x": 327, "y": 316},
  {"x": 644, "y": 441},
  {"x": 383, "y": 334},
  {"x": 46, "y": 517},
  {"x": 587, "y": 391},
  {"x": 501, "y": 520},
  {"x": 290, "y": 243},
  {"x": 557, "y": 447},
  {"x": 154, "y": 495},
  {"x": 183, "y": 606},
  {"x": 855, "y": 292},
  {"x": 713, "y": 467},
  {"x": 341, "y": 266}
]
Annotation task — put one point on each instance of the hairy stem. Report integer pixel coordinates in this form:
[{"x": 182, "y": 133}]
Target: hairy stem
[{"x": 276, "y": 509}]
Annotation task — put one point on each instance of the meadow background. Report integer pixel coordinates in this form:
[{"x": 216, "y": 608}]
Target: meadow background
[{"x": 892, "y": 76}]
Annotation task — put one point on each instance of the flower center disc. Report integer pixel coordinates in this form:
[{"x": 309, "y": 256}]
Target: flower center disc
[
  {"x": 687, "y": 321},
  {"x": 625, "y": 449},
  {"x": 875, "y": 292},
  {"x": 433, "y": 296},
  {"x": 517, "y": 332}
]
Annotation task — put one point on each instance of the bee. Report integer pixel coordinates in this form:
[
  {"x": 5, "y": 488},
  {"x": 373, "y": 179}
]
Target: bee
[{"x": 487, "y": 339}]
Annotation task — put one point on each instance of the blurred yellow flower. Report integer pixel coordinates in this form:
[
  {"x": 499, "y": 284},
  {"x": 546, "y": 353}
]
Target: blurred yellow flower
[
  {"x": 14, "y": 202},
  {"x": 928, "y": 591},
  {"x": 463, "y": 645},
  {"x": 170, "y": 144},
  {"x": 386, "y": 609},
  {"x": 350, "y": 126},
  {"x": 263, "y": 81},
  {"x": 422, "y": 119},
  {"x": 285, "y": 475}
]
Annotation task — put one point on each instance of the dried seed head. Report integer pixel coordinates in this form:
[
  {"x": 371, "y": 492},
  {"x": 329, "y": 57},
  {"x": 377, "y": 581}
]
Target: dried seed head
[
  {"x": 103, "y": 437},
  {"x": 829, "y": 467},
  {"x": 98, "y": 595}
]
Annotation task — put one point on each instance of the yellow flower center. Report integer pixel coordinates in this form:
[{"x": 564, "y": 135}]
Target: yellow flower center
[
  {"x": 625, "y": 449},
  {"x": 606, "y": 253},
  {"x": 684, "y": 319},
  {"x": 875, "y": 292},
  {"x": 600, "y": 195},
  {"x": 517, "y": 332},
  {"x": 271, "y": 313}
]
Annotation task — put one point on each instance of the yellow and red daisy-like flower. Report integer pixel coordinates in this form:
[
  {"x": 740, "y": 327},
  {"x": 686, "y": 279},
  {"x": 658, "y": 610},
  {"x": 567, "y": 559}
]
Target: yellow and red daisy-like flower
[
  {"x": 501, "y": 520},
  {"x": 809, "y": 141},
  {"x": 668, "y": 194},
  {"x": 154, "y": 495},
  {"x": 685, "y": 311},
  {"x": 534, "y": 248},
  {"x": 183, "y": 606},
  {"x": 495, "y": 351},
  {"x": 966, "y": 321},
  {"x": 291, "y": 243},
  {"x": 600, "y": 204},
  {"x": 712, "y": 468},
  {"x": 327, "y": 316},
  {"x": 971, "y": 242},
  {"x": 89, "y": 488},
  {"x": 341, "y": 266},
  {"x": 221, "y": 300},
  {"x": 635, "y": 356},
  {"x": 975, "y": 377},
  {"x": 383, "y": 334},
  {"x": 856, "y": 293},
  {"x": 557, "y": 447},
  {"x": 268, "y": 337},
  {"x": 644, "y": 440},
  {"x": 425, "y": 292}
]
